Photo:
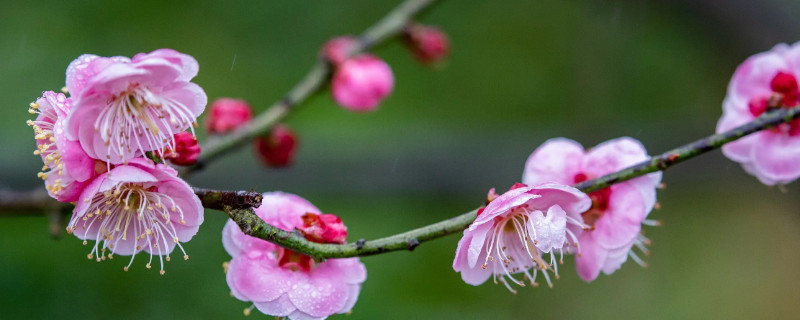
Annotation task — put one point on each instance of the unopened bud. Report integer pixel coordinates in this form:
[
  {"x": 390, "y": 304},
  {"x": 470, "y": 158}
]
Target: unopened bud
[
  {"x": 186, "y": 150},
  {"x": 324, "y": 228},
  {"x": 278, "y": 148},
  {"x": 227, "y": 114},
  {"x": 361, "y": 83},
  {"x": 427, "y": 43}
]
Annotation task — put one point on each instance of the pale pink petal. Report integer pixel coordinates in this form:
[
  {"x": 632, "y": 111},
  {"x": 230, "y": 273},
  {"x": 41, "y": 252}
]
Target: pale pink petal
[
  {"x": 352, "y": 296},
  {"x": 504, "y": 203},
  {"x": 647, "y": 185},
  {"x": 591, "y": 258},
  {"x": 321, "y": 294},
  {"x": 476, "y": 237},
  {"x": 557, "y": 160},
  {"x": 752, "y": 78},
  {"x": 280, "y": 307},
  {"x": 257, "y": 277},
  {"x": 622, "y": 221},
  {"x": 616, "y": 258},
  {"x": 300, "y": 315},
  {"x": 571, "y": 200},
  {"x": 550, "y": 230},
  {"x": 777, "y": 156},
  {"x": 352, "y": 271},
  {"x": 614, "y": 155},
  {"x": 739, "y": 150},
  {"x": 187, "y": 64}
]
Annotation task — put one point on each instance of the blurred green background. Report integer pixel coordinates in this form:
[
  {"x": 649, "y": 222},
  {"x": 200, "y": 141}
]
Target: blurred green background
[{"x": 520, "y": 72}]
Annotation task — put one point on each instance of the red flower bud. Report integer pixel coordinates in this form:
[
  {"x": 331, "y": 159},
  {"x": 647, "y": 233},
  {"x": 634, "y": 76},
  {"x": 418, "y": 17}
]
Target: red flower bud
[
  {"x": 428, "y": 44},
  {"x": 324, "y": 228},
  {"x": 278, "y": 148},
  {"x": 186, "y": 150},
  {"x": 226, "y": 115}
]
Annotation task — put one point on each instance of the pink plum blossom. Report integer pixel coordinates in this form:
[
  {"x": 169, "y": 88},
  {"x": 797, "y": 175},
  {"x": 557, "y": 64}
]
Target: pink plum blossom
[
  {"x": 361, "y": 83},
  {"x": 516, "y": 229},
  {"x": 141, "y": 206},
  {"x": 284, "y": 283},
  {"x": 226, "y": 115},
  {"x": 617, "y": 212},
  {"x": 765, "y": 80},
  {"x": 124, "y": 107},
  {"x": 67, "y": 168}
]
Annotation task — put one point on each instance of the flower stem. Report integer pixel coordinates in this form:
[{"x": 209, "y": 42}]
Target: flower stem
[{"x": 391, "y": 24}]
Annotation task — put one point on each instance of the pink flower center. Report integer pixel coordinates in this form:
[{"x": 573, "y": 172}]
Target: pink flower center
[
  {"x": 786, "y": 84},
  {"x": 599, "y": 201},
  {"x": 129, "y": 210},
  {"x": 138, "y": 119},
  {"x": 294, "y": 261}
]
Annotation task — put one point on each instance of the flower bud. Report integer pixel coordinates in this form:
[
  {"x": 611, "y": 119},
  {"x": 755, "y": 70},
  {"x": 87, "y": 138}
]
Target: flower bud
[
  {"x": 324, "y": 228},
  {"x": 278, "y": 148},
  {"x": 337, "y": 49},
  {"x": 361, "y": 83},
  {"x": 186, "y": 150},
  {"x": 227, "y": 115},
  {"x": 427, "y": 43}
]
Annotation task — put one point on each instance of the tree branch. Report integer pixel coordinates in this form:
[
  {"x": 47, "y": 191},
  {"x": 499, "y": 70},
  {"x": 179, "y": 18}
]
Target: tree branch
[
  {"x": 238, "y": 205},
  {"x": 37, "y": 202},
  {"x": 251, "y": 225},
  {"x": 392, "y": 24}
]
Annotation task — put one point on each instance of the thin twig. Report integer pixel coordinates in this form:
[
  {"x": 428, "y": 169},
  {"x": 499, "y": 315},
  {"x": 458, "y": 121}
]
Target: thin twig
[
  {"x": 37, "y": 202},
  {"x": 250, "y": 224},
  {"x": 391, "y": 25}
]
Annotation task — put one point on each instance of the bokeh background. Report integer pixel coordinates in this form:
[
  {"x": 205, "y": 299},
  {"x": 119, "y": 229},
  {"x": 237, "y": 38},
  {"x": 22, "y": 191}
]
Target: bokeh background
[{"x": 520, "y": 72}]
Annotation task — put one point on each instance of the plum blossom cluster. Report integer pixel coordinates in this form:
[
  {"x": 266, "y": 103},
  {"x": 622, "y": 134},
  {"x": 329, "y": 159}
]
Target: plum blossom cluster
[
  {"x": 767, "y": 80},
  {"x": 93, "y": 145},
  {"x": 516, "y": 230},
  {"x": 284, "y": 283}
]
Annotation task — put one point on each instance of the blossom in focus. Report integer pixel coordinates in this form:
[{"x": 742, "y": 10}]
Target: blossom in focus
[
  {"x": 337, "y": 50},
  {"x": 67, "y": 168},
  {"x": 428, "y": 44},
  {"x": 617, "y": 212},
  {"x": 226, "y": 115},
  {"x": 186, "y": 150},
  {"x": 284, "y": 283},
  {"x": 361, "y": 83},
  {"x": 765, "y": 80},
  {"x": 516, "y": 229},
  {"x": 137, "y": 207},
  {"x": 278, "y": 148},
  {"x": 124, "y": 107}
]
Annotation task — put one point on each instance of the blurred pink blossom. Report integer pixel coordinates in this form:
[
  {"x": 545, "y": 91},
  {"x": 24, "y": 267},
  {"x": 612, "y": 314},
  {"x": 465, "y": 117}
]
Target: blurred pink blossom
[
  {"x": 767, "y": 79},
  {"x": 227, "y": 114},
  {"x": 361, "y": 83},
  {"x": 617, "y": 212}
]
